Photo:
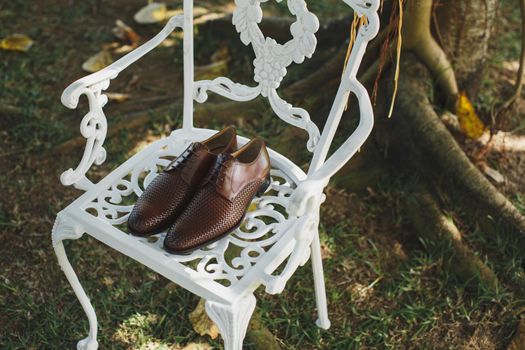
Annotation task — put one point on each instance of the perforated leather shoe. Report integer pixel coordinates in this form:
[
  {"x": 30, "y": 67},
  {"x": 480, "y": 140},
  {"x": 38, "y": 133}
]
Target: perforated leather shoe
[
  {"x": 168, "y": 194},
  {"x": 219, "y": 206}
]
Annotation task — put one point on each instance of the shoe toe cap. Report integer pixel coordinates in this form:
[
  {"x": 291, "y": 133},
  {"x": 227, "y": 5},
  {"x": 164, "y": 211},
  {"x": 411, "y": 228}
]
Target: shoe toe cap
[
  {"x": 177, "y": 245},
  {"x": 179, "y": 241},
  {"x": 142, "y": 221}
]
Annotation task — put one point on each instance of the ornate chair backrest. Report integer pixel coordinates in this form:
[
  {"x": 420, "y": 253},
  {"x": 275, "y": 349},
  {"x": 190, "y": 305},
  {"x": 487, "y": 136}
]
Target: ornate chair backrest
[
  {"x": 270, "y": 65},
  {"x": 271, "y": 61}
]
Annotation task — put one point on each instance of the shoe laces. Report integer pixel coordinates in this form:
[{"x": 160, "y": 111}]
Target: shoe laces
[
  {"x": 182, "y": 159},
  {"x": 218, "y": 173}
]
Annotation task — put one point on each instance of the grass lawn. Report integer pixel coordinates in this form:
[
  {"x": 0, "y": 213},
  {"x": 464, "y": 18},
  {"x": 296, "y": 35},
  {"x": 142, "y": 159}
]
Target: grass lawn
[{"x": 385, "y": 289}]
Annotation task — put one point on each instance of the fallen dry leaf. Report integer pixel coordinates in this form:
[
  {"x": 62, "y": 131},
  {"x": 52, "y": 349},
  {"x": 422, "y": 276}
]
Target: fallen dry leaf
[
  {"x": 154, "y": 12},
  {"x": 168, "y": 42},
  {"x": 155, "y": 345},
  {"x": 469, "y": 121},
  {"x": 111, "y": 46},
  {"x": 125, "y": 33},
  {"x": 197, "y": 12},
  {"x": 16, "y": 42},
  {"x": 326, "y": 251},
  {"x": 108, "y": 281},
  {"x": 124, "y": 49},
  {"x": 361, "y": 292},
  {"x": 197, "y": 346},
  {"x": 97, "y": 62},
  {"x": 201, "y": 322},
  {"x": 118, "y": 97}
]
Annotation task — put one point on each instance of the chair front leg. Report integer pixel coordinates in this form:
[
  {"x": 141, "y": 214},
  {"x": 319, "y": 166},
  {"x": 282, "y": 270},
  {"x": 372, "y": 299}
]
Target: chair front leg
[
  {"x": 232, "y": 319},
  {"x": 319, "y": 285},
  {"x": 65, "y": 228}
]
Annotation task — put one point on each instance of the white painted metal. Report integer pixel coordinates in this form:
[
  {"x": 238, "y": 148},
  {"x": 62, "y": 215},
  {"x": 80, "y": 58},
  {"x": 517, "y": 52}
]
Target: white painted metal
[
  {"x": 282, "y": 230},
  {"x": 271, "y": 60},
  {"x": 189, "y": 71},
  {"x": 232, "y": 320}
]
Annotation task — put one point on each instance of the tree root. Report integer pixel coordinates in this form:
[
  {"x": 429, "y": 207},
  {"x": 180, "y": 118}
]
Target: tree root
[
  {"x": 418, "y": 38},
  {"x": 422, "y": 126},
  {"x": 333, "y": 68},
  {"x": 432, "y": 225},
  {"x": 228, "y": 112}
]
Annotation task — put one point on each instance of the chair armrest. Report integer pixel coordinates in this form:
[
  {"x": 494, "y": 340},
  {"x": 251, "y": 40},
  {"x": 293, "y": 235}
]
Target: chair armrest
[
  {"x": 72, "y": 93},
  {"x": 309, "y": 193},
  {"x": 93, "y": 126}
]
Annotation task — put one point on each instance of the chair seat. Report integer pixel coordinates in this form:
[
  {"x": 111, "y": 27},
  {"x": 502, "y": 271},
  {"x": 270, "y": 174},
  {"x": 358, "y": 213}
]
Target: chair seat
[{"x": 223, "y": 270}]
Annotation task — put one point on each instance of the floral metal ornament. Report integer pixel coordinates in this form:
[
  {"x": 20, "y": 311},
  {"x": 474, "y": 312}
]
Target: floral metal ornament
[{"x": 271, "y": 61}]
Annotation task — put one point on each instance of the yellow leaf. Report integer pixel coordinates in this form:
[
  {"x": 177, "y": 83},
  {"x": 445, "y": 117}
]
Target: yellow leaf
[
  {"x": 201, "y": 322},
  {"x": 152, "y": 13},
  {"x": 16, "y": 42},
  {"x": 97, "y": 62},
  {"x": 469, "y": 121}
]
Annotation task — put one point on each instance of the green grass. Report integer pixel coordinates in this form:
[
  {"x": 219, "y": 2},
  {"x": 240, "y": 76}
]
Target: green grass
[
  {"x": 371, "y": 304},
  {"x": 379, "y": 297}
]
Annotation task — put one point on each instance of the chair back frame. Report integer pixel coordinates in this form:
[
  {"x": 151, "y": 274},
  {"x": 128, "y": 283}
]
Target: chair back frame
[{"x": 270, "y": 65}]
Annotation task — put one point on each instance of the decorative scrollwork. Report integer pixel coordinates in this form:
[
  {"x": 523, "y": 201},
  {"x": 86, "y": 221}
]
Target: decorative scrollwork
[
  {"x": 367, "y": 8},
  {"x": 225, "y": 87},
  {"x": 295, "y": 116},
  {"x": 93, "y": 127},
  {"x": 94, "y": 124},
  {"x": 264, "y": 224},
  {"x": 271, "y": 61}
]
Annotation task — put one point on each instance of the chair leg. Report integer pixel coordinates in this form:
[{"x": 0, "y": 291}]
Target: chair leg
[
  {"x": 90, "y": 342},
  {"x": 320, "y": 291},
  {"x": 232, "y": 319}
]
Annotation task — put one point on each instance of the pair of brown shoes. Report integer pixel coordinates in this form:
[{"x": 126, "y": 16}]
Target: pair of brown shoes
[{"x": 204, "y": 193}]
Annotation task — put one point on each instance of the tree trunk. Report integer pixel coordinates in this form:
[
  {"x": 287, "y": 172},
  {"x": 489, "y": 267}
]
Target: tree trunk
[{"x": 464, "y": 29}]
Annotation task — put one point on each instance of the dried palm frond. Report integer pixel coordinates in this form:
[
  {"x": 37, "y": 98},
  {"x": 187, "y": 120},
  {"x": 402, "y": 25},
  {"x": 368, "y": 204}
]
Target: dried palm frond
[
  {"x": 398, "y": 56},
  {"x": 357, "y": 22}
]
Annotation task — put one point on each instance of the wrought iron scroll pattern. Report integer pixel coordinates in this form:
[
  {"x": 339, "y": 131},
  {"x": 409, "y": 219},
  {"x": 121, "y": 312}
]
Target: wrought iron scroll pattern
[
  {"x": 271, "y": 61},
  {"x": 263, "y": 226},
  {"x": 93, "y": 128}
]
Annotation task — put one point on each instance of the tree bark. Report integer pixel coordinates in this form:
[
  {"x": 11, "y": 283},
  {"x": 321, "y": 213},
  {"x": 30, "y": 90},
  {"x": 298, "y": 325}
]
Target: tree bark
[{"x": 464, "y": 30}]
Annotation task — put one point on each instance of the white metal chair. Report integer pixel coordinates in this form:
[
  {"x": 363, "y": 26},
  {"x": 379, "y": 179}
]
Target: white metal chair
[{"x": 280, "y": 234}]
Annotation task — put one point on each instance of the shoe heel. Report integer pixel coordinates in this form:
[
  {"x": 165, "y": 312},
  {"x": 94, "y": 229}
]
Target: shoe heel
[{"x": 267, "y": 182}]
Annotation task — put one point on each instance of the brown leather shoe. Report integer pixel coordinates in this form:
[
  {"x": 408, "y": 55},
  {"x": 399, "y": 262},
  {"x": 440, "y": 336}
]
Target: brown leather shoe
[
  {"x": 219, "y": 206},
  {"x": 167, "y": 195}
]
